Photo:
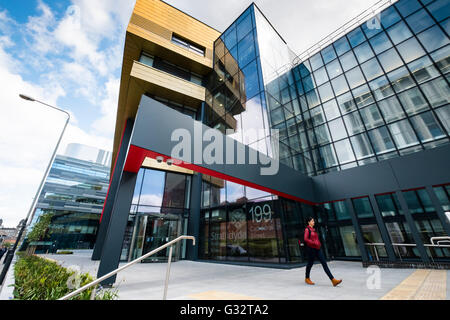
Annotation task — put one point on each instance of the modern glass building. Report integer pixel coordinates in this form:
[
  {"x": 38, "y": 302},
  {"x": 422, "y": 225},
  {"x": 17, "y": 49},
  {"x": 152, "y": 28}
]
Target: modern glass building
[
  {"x": 360, "y": 123},
  {"x": 74, "y": 194}
]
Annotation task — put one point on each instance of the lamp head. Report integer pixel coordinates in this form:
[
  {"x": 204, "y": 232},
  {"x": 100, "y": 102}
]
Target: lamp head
[{"x": 25, "y": 97}]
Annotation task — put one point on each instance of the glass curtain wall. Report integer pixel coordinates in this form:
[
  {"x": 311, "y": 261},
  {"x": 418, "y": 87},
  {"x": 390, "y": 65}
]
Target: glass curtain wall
[{"x": 373, "y": 94}]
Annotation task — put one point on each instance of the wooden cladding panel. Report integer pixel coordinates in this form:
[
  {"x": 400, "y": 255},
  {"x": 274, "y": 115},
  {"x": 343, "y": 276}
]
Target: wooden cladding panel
[
  {"x": 177, "y": 21},
  {"x": 165, "y": 80}
]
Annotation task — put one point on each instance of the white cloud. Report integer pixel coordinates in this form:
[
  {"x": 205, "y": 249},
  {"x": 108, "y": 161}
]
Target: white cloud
[{"x": 106, "y": 123}]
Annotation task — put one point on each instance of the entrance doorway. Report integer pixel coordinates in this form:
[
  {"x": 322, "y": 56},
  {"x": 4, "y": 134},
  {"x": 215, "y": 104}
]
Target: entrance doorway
[{"x": 154, "y": 230}]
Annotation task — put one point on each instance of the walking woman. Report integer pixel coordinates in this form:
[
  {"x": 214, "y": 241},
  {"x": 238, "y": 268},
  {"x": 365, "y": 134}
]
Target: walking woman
[{"x": 312, "y": 246}]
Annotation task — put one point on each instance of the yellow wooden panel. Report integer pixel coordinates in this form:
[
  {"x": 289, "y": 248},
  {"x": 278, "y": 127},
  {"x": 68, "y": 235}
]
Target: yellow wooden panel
[{"x": 168, "y": 81}]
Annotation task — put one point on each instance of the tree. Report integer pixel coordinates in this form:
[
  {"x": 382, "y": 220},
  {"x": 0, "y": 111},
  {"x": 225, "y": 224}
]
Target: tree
[{"x": 39, "y": 231}]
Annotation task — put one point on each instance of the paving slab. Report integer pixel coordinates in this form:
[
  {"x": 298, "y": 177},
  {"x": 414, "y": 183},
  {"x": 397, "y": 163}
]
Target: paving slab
[{"x": 190, "y": 280}]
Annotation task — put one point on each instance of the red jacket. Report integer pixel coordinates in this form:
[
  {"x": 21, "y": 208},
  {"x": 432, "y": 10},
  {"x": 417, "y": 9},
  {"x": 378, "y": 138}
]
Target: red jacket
[{"x": 313, "y": 240}]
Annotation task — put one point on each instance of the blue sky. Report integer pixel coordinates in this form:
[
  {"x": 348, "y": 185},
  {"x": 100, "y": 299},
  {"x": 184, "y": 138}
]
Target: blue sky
[{"x": 68, "y": 53}]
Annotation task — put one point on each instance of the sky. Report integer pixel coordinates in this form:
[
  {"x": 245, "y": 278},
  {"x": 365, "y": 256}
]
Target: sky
[{"x": 68, "y": 53}]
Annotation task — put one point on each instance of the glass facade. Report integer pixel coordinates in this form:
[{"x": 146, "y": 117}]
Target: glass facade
[
  {"x": 158, "y": 214},
  {"x": 248, "y": 225},
  {"x": 74, "y": 193},
  {"x": 373, "y": 94}
]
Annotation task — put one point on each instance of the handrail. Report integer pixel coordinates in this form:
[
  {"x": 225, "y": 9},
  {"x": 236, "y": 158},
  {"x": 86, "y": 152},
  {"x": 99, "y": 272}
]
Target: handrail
[
  {"x": 344, "y": 29},
  {"x": 108, "y": 275},
  {"x": 395, "y": 245},
  {"x": 439, "y": 238}
]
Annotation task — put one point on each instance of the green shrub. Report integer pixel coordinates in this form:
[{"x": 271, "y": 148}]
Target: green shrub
[{"x": 40, "y": 279}]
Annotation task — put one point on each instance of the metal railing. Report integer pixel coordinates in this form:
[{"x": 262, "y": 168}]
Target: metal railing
[
  {"x": 344, "y": 29},
  {"x": 129, "y": 264},
  {"x": 397, "y": 245}
]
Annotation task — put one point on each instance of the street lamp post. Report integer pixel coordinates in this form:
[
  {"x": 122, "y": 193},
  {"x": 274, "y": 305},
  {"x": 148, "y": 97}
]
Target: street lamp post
[{"x": 27, "y": 220}]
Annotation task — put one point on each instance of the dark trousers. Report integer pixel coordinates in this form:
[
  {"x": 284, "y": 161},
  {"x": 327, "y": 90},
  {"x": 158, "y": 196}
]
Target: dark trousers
[{"x": 312, "y": 255}]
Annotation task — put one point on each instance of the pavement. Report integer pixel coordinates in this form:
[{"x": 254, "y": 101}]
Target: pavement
[{"x": 190, "y": 280}]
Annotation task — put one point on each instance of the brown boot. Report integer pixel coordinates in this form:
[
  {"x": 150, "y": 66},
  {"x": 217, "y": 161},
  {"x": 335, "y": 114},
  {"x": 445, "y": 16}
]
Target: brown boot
[
  {"x": 335, "y": 282},
  {"x": 308, "y": 281}
]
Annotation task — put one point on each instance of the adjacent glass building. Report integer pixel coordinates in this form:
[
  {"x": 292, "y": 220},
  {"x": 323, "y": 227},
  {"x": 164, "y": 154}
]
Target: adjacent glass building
[
  {"x": 74, "y": 194},
  {"x": 363, "y": 118}
]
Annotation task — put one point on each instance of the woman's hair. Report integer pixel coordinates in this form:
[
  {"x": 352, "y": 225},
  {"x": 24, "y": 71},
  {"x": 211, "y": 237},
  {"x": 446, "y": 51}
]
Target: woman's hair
[{"x": 309, "y": 219}]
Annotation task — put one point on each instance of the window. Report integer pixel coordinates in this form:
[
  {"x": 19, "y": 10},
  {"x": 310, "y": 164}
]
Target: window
[
  {"x": 399, "y": 32},
  {"x": 363, "y": 52},
  {"x": 321, "y": 76},
  {"x": 348, "y": 61},
  {"x": 246, "y": 50},
  {"x": 363, "y": 208},
  {"x": 334, "y": 68},
  {"x": 433, "y": 38},
  {"x": 316, "y": 61},
  {"x": 389, "y": 17},
  {"x": 401, "y": 79},
  {"x": 442, "y": 59},
  {"x": 331, "y": 109},
  {"x": 341, "y": 46},
  {"x": 419, "y": 21},
  {"x": 337, "y": 129},
  {"x": 390, "y": 60},
  {"x": 152, "y": 188},
  {"x": 423, "y": 69},
  {"x": 371, "y": 27},
  {"x": 327, "y": 156},
  {"x": 406, "y": 7},
  {"x": 313, "y": 99},
  {"x": 362, "y": 95},
  {"x": 346, "y": 103},
  {"x": 381, "y": 140},
  {"x": 251, "y": 80},
  {"x": 344, "y": 151},
  {"x": 362, "y": 146},
  {"x": 328, "y": 54},
  {"x": 230, "y": 38},
  {"x": 325, "y": 92},
  {"x": 356, "y": 37},
  {"x": 437, "y": 92},
  {"x": 403, "y": 134},
  {"x": 355, "y": 77},
  {"x": 188, "y": 45},
  {"x": 413, "y": 101},
  {"x": 380, "y": 43},
  {"x": 371, "y": 116},
  {"x": 322, "y": 134},
  {"x": 444, "y": 115},
  {"x": 146, "y": 59},
  {"x": 353, "y": 123},
  {"x": 339, "y": 85},
  {"x": 317, "y": 116},
  {"x": 381, "y": 88},
  {"x": 427, "y": 127},
  {"x": 371, "y": 69},
  {"x": 410, "y": 50},
  {"x": 440, "y": 9},
  {"x": 244, "y": 25},
  {"x": 391, "y": 109}
]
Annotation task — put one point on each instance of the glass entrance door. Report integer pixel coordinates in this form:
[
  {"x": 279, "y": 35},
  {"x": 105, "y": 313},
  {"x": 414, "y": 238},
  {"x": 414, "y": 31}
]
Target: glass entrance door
[{"x": 155, "y": 231}]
